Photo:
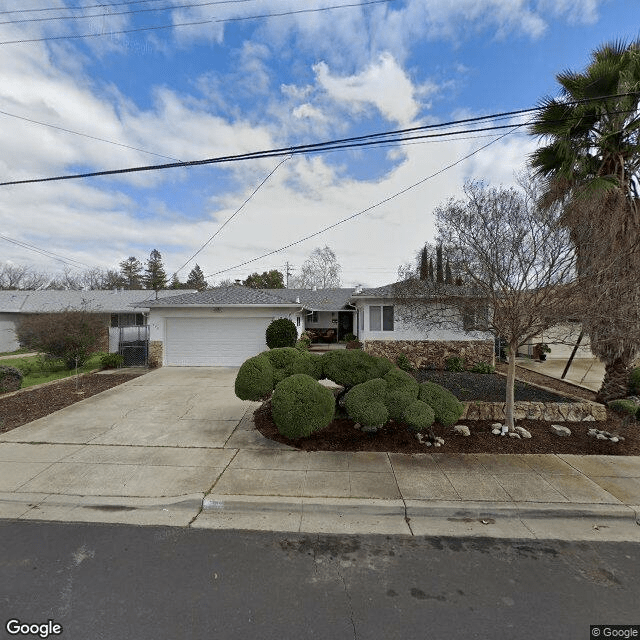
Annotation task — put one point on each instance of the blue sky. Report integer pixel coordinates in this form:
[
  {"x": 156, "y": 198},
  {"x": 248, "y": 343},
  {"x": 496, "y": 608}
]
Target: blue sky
[{"x": 231, "y": 87}]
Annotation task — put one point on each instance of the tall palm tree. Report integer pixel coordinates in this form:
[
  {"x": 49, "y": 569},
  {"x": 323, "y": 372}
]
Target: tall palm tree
[{"x": 591, "y": 161}]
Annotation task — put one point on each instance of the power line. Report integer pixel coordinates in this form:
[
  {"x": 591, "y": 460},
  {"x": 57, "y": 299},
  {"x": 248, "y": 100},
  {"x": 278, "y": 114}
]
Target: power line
[
  {"x": 123, "y": 13},
  {"x": 86, "y": 135},
  {"x": 331, "y": 145},
  {"x": 373, "y": 206},
  {"x": 89, "y": 6},
  {"x": 44, "y": 252},
  {"x": 200, "y": 22},
  {"x": 236, "y": 212}
]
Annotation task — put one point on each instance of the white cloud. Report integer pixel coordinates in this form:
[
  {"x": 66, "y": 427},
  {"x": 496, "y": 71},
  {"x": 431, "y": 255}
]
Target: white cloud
[{"x": 383, "y": 84}]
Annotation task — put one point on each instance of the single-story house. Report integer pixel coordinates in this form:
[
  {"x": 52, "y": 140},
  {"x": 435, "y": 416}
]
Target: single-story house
[
  {"x": 226, "y": 325},
  {"x": 124, "y": 312}
]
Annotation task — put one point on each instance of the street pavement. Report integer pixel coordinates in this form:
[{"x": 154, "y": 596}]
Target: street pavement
[{"x": 176, "y": 447}]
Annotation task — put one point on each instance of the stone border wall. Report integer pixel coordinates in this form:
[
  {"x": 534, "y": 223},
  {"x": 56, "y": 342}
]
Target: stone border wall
[
  {"x": 155, "y": 353},
  {"x": 547, "y": 411},
  {"x": 433, "y": 353}
]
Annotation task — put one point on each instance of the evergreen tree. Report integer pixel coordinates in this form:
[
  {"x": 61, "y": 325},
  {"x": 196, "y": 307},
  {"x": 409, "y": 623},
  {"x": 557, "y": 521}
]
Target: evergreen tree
[
  {"x": 155, "y": 277},
  {"x": 448, "y": 278},
  {"x": 439, "y": 269},
  {"x": 268, "y": 280},
  {"x": 431, "y": 269},
  {"x": 175, "y": 282},
  {"x": 424, "y": 264},
  {"x": 196, "y": 279},
  {"x": 131, "y": 273}
]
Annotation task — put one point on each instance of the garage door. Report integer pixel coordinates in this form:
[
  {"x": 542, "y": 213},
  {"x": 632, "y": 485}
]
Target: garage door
[{"x": 214, "y": 342}]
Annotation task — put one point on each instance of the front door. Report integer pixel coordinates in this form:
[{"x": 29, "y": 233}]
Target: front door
[{"x": 345, "y": 323}]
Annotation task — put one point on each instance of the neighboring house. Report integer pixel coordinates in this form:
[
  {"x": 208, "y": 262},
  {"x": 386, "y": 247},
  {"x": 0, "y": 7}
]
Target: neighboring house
[
  {"x": 226, "y": 325},
  {"x": 385, "y": 327},
  {"x": 124, "y": 312}
]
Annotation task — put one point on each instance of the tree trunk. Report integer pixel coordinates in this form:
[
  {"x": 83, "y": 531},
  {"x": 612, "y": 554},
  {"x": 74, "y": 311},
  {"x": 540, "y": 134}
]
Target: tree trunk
[
  {"x": 511, "y": 378},
  {"x": 616, "y": 380}
]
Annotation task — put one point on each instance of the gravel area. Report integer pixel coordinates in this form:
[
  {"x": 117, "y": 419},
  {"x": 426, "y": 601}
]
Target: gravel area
[{"x": 486, "y": 387}]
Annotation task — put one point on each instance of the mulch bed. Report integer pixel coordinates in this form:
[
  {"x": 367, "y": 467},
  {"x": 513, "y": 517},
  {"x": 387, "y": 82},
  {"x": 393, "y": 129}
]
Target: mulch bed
[
  {"x": 341, "y": 435},
  {"x": 37, "y": 402}
]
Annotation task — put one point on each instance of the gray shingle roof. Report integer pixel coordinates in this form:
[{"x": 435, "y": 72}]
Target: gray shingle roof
[
  {"x": 50, "y": 301},
  {"x": 414, "y": 288},
  {"x": 319, "y": 300},
  {"x": 223, "y": 296}
]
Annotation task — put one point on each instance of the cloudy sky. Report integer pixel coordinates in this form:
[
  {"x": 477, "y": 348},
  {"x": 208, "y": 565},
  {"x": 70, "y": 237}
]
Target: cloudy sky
[{"x": 236, "y": 83}]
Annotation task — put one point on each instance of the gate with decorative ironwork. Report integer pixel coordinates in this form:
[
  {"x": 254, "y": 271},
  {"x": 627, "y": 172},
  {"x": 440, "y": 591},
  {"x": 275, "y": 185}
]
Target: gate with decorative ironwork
[{"x": 133, "y": 345}]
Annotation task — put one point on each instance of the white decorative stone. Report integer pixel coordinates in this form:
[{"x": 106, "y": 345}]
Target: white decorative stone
[
  {"x": 523, "y": 433},
  {"x": 614, "y": 439},
  {"x": 592, "y": 432},
  {"x": 560, "y": 430},
  {"x": 496, "y": 432},
  {"x": 357, "y": 425},
  {"x": 513, "y": 434},
  {"x": 601, "y": 436},
  {"x": 437, "y": 444},
  {"x": 462, "y": 430},
  {"x": 588, "y": 419},
  {"x": 496, "y": 425}
]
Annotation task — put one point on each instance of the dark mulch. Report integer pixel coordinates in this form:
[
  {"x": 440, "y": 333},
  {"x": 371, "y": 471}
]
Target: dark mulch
[
  {"x": 486, "y": 387},
  {"x": 31, "y": 404}
]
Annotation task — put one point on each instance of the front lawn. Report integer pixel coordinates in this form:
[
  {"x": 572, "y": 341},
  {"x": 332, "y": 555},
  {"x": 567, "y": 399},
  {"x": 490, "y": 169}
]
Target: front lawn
[{"x": 38, "y": 369}]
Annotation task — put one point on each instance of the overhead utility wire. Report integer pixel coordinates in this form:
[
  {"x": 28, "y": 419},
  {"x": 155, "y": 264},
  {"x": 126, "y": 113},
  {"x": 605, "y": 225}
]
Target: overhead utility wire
[
  {"x": 344, "y": 143},
  {"x": 232, "y": 216},
  {"x": 123, "y": 13},
  {"x": 200, "y": 22},
  {"x": 370, "y": 208},
  {"x": 86, "y": 135},
  {"x": 102, "y": 6},
  {"x": 49, "y": 254}
]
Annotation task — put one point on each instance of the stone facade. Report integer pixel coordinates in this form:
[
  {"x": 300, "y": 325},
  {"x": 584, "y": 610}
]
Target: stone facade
[
  {"x": 433, "y": 353},
  {"x": 547, "y": 411},
  {"x": 155, "y": 353}
]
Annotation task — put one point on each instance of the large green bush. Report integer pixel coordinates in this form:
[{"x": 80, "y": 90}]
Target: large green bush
[
  {"x": 402, "y": 390},
  {"x": 301, "y": 406},
  {"x": 308, "y": 363},
  {"x": 364, "y": 403},
  {"x": 281, "y": 333},
  {"x": 351, "y": 367},
  {"x": 447, "y": 408},
  {"x": 255, "y": 378},
  {"x": 282, "y": 357},
  {"x": 419, "y": 416}
]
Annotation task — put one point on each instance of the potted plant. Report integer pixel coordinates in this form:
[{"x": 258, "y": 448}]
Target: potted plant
[{"x": 540, "y": 351}]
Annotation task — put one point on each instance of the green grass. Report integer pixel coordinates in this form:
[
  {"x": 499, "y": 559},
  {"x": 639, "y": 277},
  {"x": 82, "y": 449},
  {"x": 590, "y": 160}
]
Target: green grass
[
  {"x": 16, "y": 352},
  {"x": 37, "y": 370}
]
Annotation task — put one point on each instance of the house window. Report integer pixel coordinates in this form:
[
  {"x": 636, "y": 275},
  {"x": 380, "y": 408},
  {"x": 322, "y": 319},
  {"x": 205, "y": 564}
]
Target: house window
[
  {"x": 312, "y": 316},
  {"x": 297, "y": 321},
  {"x": 381, "y": 318},
  {"x": 361, "y": 319},
  {"x": 476, "y": 318},
  {"x": 127, "y": 319}
]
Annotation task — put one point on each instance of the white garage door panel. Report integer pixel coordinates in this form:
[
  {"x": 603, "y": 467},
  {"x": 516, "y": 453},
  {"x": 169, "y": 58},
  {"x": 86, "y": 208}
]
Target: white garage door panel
[{"x": 217, "y": 342}]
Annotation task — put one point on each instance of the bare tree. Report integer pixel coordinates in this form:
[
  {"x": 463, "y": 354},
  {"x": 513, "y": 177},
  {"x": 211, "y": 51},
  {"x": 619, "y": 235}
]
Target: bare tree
[
  {"x": 517, "y": 261},
  {"x": 321, "y": 270},
  {"x": 22, "y": 277}
]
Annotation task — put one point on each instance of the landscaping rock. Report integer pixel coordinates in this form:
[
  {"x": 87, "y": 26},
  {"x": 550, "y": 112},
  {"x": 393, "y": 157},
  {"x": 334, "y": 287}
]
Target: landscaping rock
[
  {"x": 496, "y": 425},
  {"x": 496, "y": 431},
  {"x": 601, "y": 436},
  {"x": 560, "y": 430},
  {"x": 523, "y": 433},
  {"x": 513, "y": 434},
  {"x": 588, "y": 419},
  {"x": 462, "y": 430}
]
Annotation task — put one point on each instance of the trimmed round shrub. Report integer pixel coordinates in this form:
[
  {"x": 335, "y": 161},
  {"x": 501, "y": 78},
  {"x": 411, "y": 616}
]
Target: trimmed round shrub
[
  {"x": 255, "y": 379},
  {"x": 634, "y": 381},
  {"x": 447, "y": 408},
  {"x": 281, "y": 333},
  {"x": 382, "y": 366},
  {"x": 419, "y": 416},
  {"x": 364, "y": 403},
  {"x": 301, "y": 406},
  {"x": 404, "y": 363},
  {"x": 349, "y": 368},
  {"x": 454, "y": 363},
  {"x": 282, "y": 357},
  {"x": 402, "y": 390},
  {"x": 307, "y": 363},
  {"x": 111, "y": 360},
  {"x": 278, "y": 376},
  {"x": 624, "y": 406},
  {"x": 10, "y": 379}
]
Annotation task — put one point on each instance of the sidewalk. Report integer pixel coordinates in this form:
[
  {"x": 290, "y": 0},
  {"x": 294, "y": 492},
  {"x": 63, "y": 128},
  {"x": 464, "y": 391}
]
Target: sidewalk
[{"x": 175, "y": 447}]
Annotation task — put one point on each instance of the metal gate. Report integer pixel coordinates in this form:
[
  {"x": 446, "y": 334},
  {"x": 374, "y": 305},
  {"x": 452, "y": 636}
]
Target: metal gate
[{"x": 133, "y": 345}]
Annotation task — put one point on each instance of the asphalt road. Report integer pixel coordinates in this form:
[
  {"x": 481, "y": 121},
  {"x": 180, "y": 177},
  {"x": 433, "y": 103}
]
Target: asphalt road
[{"x": 122, "y": 582}]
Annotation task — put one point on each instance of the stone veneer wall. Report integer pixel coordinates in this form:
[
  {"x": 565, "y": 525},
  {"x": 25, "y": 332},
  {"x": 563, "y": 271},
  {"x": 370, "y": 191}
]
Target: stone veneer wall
[
  {"x": 433, "y": 353},
  {"x": 155, "y": 353},
  {"x": 547, "y": 411}
]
